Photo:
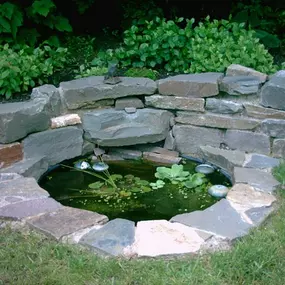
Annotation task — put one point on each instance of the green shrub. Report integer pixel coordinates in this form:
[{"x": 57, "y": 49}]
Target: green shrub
[
  {"x": 279, "y": 172},
  {"x": 210, "y": 46},
  {"x": 26, "y": 68},
  {"x": 142, "y": 72},
  {"x": 85, "y": 71}
]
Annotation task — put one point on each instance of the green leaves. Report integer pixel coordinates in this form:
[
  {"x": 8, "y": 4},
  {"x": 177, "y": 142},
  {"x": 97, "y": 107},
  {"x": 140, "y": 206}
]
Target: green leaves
[
  {"x": 173, "y": 174},
  {"x": 42, "y": 7}
]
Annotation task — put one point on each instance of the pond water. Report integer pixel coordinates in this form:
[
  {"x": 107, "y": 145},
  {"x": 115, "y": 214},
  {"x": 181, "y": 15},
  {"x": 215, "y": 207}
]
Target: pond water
[{"x": 72, "y": 188}]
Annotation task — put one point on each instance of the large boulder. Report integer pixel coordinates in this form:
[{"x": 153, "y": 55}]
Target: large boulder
[
  {"x": 191, "y": 85},
  {"x": 272, "y": 93},
  {"x": 87, "y": 91},
  {"x": 111, "y": 127},
  {"x": 57, "y": 145},
  {"x": 17, "y": 120}
]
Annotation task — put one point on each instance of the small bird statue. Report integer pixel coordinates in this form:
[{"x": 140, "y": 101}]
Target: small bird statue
[{"x": 111, "y": 76}]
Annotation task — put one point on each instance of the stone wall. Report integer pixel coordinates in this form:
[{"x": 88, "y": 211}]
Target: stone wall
[{"x": 241, "y": 110}]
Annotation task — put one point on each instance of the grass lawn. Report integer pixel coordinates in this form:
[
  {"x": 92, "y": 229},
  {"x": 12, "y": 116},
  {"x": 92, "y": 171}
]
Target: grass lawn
[{"x": 259, "y": 258}]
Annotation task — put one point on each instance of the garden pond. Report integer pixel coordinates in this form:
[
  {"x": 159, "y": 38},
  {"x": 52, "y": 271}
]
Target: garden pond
[{"x": 134, "y": 190}]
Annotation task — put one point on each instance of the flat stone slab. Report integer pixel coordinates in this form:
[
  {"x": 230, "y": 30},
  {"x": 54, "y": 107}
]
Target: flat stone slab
[
  {"x": 226, "y": 159},
  {"x": 260, "y": 112},
  {"x": 274, "y": 128},
  {"x": 278, "y": 148},
  {"x": 240, "y": 85},
  {"x": 160, "y": 237},
  {"x": 244, "y": 197},
  {"x": 131, "y": 102},
  {"x": 175, "y": 103},
  {"x": 114, "y": 238},
  {"x": 216, "y": 121},
  {"x": 188, "y": 139},
  {"x": 30, "y": 167},
  {"x": 247, "y": 141},
  {"x": 66, "y": 221},
  {"x": 260, "y": 180},
  {"x": 220, "y": 219},
  {"x": 65, "y": 120},
  {"x": 191, "y": 85},
  {"x": 9, "y": 176},
  {"x": 125, "y": 153},
  {"x": 85, "y": 92},
  {"x": 26, "y": 188},
  {"x": 111, "y": 127},
  {"x": 161, "y": 158},
  {"x": 223, "y": 106},
  {"x": 237, "y": 69},
  {"x": 258, "y": 215},
  {"x": 256, "y": 160},
  {"x": 57, "y": 144},
  {"x": 10, "y": 153},
  {"x": 25, "y": 209}
]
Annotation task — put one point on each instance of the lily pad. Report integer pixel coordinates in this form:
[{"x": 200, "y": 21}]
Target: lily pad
[{"x": 96, "y": 185}]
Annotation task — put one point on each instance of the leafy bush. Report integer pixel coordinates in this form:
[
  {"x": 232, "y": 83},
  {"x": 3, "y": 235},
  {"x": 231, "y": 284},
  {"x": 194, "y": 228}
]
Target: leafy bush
[
  {"x": 85, "y": 71},
  {"x": 142, "y": 72},
  {"x": 210, "y": 46},
  {"x": 24, "y": 69}
]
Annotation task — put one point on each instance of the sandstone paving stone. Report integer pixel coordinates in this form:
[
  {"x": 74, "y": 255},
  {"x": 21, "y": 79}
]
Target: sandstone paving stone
[
  {"x": 175, "y": 103},
  {"x": 123, "y": 103},
  {"x": 225, "y": 159},
  {"x": 220, "y": 219},
  {"x": 161, "y": 158},
  {"x": 25, "y": 209},
  {"x": 85, "y": 92},
  {"x": 163, "y": 151},
  {"x": 260, "y": 180},
  {"x": 66, "y": 221},
  {"x": 244, "y": 197},
  {"x": 259, "y": 112},
  {"x": 216, "y": 121},
  {"x": 223, "y": 106},
  {"x": 65, "y": 120},
  {"x": 10, "y": 153},
  {"x": 19, "y": 119},
  {"x": 278, "y": 148},
  {"x": 57, "y": 145},
  {"x": 247, "y": 141},
  {"x": 240, "y": 85},
  {"x": 274, "y": 128},
  {"x": 272, "y": 94},
  {"x": 237, "y": 69},
  {"x": 256, "y": 160},
  {"x": 188, "y": 139},
  {"x": 160, "y": 237},
  {"x": 30, "y": 167},
  {"x": 111, "y": 127},
  {"x": 191, "y": 85},
  {"x": 26, "y": 188},
  {"x": 113, "y": 238}
]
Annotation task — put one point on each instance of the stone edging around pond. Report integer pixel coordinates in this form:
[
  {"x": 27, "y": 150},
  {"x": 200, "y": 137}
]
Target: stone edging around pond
[{"x": 247, "y": 204}]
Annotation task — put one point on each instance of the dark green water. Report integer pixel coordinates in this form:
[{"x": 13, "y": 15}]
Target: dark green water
[{"x": 162, "y": 203}]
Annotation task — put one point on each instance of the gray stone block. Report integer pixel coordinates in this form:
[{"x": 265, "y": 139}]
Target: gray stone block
[
  {"x": 260, "y": 180},
  {"x": 117, "y": 128},
  {"x": 240, "y": 85},
  {"x": 123, "y": 103},
  {"x": 112, "y": 238},
  {"x": 17, "y": 120},
  {"x": 56, "y": 145},
  {"x": 169, "y": 141},
  {"x": 85, "y": 92},
  {"x": 223, "y": 106},
  {"x": 272, "y": 93},
  {"x": 25, "y": 209},
  {"x": 274, "y": 128},
  {"x": 31, "y": 167},
  {"x": 9, "y": 176},
  {"x": 258, "y": 215},
  {"x": 51, "y": 94},
  {"x": 66, "y": 221},
  {"x": 125, "y": 153},
  {"x": 278, "y": 148},
  {"x": 247, "y": 141},
  {"x": 188, "y": 139},
  {"x": 259, "y": 112},
  {"x": 256, "y": 160},
  {"x": 220, "y": 219},
  {"x": 175, "y": 103},
  {"x": 225, "y": 159},
  {"x": 216, "y": 121},
  {"x": 237, "y": 69},
  {"x": 191, "y": 85}
]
